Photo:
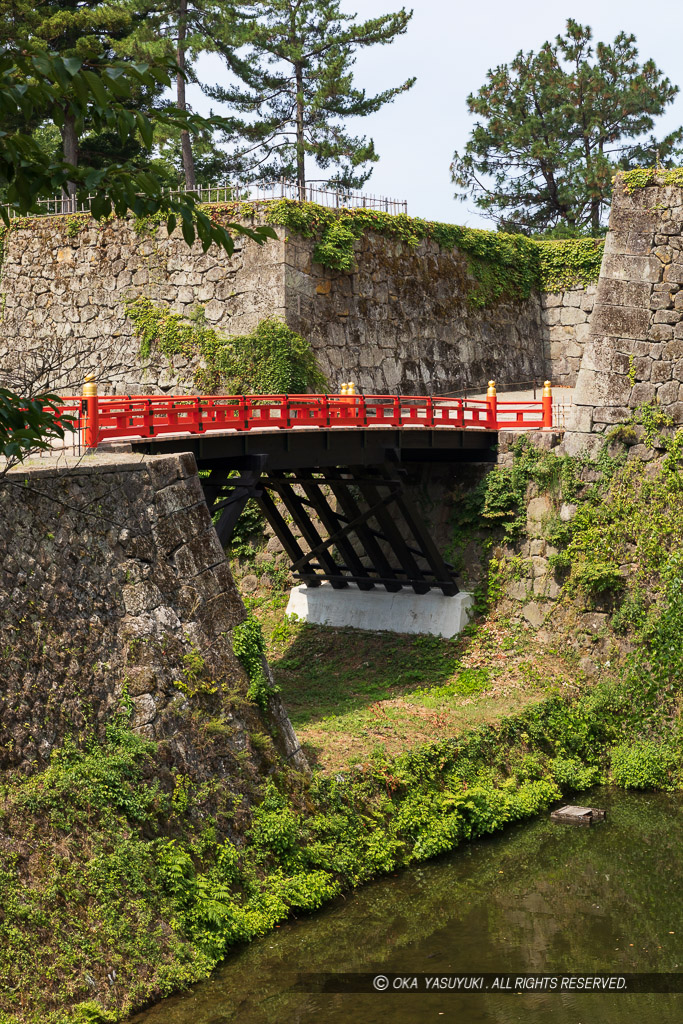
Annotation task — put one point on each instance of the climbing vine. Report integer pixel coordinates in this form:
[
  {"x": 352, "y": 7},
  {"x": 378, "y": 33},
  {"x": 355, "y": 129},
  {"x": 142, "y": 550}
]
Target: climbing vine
[
  {"x": 250, "y": 647},
  {"x": 273, "y": 359},
  {"x": 502, "y": 267},
  {"x": 642, "y": 177},
  {"x": 568, "y": 263}
]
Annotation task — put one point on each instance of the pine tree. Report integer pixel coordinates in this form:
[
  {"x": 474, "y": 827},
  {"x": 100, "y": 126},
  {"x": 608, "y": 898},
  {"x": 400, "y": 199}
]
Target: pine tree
[
  {"x": 293, "y": 63},
  {"x": 182, "y": 29},
  {"x": 552, "y": 127}
]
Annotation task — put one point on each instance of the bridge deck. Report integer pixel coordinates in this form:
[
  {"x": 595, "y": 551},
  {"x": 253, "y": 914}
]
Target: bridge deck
[{"x": 315, "y": 446}]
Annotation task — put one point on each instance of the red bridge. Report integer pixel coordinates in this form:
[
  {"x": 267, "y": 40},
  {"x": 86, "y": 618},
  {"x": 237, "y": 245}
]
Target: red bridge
[
  {"x": 337, "y": 466},
  {"x": 110, "y": 417}
]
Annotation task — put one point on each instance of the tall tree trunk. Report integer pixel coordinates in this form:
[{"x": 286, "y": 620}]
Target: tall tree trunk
[
  {"x": 595, "y": 216},
  {"x": 70, "y": 149},
  {"x": 185, "y": 141},
  {"x": 300, "y": 152}
]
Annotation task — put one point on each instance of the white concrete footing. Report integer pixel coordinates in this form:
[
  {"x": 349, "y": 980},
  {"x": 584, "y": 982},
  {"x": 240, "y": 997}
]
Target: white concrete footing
[{"x": 402, "y": 612}]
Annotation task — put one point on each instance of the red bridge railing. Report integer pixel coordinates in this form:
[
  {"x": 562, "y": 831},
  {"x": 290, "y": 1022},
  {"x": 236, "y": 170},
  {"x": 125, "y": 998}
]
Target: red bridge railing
[{"x": 108, "y": 417}]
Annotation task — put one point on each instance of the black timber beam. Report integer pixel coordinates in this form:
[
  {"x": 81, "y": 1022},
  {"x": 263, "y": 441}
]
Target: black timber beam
[{"x": 301, "y": 448}]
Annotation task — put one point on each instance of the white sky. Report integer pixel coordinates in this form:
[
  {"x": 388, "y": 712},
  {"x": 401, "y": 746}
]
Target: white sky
[{"x": 450, "y": 46}]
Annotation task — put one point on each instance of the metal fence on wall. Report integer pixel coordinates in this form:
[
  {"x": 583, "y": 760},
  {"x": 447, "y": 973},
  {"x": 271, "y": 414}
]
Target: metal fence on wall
[{"x": 260, "y": 191}]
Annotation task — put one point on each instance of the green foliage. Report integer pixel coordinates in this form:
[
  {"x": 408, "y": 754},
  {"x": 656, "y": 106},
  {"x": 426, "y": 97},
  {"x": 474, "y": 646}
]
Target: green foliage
[
  {"x": 91, "y": 1012},
  {"x": 37, "y": 87},
  {"x": 75, "y": 223},
  {"x": 569, "y": 263},
  {"x": 249, "y": 647},
  {"x": 28, "y": 425},
  {"x": 552, "y": 126},
  {"x": 250, "y": 524},
  {"x": 645, "y": 764},
  {"x": 644, "y": 177},
  {"x": 194, "y": 681},
  {"x": 596, "y": 578},
  {"x": 571, "y": 774},
  {"x": 502, "y": 493},
  {"x": 468, "y": 682},
  {"x": 273, "y": 359},
  {"x": 336, "y": 248}
]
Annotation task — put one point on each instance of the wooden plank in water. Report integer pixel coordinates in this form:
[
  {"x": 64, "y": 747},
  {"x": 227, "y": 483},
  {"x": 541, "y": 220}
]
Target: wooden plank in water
[{"x": 572, "y": 814}]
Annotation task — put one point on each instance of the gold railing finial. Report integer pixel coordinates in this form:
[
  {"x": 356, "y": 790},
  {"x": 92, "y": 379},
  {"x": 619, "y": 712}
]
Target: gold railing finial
[
  {"x": 491, "y": 393},
  {"x": 89, "y": 386}
]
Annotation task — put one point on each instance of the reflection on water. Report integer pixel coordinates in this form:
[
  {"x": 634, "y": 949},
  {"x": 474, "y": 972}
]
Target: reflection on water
[{"x": 541, "y": 897}]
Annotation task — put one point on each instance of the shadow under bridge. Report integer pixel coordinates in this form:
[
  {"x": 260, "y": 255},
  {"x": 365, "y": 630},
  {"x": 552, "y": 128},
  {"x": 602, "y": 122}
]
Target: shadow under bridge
[{"x": 336, "y": 499}]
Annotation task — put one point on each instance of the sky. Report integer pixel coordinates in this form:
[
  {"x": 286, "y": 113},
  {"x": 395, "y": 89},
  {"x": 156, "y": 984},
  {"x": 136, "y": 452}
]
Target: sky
[{"x": 450, "y": 46}]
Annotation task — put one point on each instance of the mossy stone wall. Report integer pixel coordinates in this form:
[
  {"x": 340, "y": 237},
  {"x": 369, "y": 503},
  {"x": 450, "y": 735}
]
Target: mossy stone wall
[
  {"x": 634, "y": 352},
  {"x": 116, "y": 600},
  {"x": 402, "y": 317}
]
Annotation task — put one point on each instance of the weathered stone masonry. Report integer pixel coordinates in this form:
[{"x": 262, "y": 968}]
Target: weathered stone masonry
[
  {"x": 634, "y": 353},
  {"x": 114, "y": 590},
  {"x": 401, "y": 320}
]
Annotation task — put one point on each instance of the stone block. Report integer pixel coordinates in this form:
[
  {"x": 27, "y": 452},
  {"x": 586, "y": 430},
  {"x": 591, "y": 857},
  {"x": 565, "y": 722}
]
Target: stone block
[
  {"x": 202, "y": 552},
  {"x": 661, "y": 371},
  {"x": 668, "y": 392},
  {"x": 674, "y": 273},
  {"x": 676, "y": 410},
  {"x": 620, "y": 321},
  {"x": 660, "y": 332},
  {"x": 572, "y": 315},
  {"x": 642, "y": 393},
  {"x": 537, "y": 509},
  {"x": 141, "y": 597},
  {"x": 172, "y": 531},
  {"x": 611, "y": 414},
  {"x": 633, "y": 269},
  {"x": 623, "y": 293},
  {"x": 551, "y": 300},
  {"x": 666, "y": 316},
  {"x": 597, "y": 355},
  {"x": 535, "y": 612},
  {"x": 178, "y": 496}
]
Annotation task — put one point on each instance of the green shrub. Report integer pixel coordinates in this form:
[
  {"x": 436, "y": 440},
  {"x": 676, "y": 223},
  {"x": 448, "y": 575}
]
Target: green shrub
[
  {"x": 272, "y": 360},
  {"x": 596, "y": 578},
  {"x": 644, "y": 765},
  {"x": 335, "y": 250}
]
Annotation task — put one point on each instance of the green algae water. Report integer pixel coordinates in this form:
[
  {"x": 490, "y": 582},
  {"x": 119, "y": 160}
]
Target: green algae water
[{"x": 540, "y": 897}]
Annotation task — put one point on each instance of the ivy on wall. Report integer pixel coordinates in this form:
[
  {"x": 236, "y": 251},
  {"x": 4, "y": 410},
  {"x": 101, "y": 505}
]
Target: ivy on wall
[
  {"x": 569, "y": 263},
  {"x": 273, "y": 359},
  {"x": 502, "y": 267},
  {"x": 642, "y": 177}
]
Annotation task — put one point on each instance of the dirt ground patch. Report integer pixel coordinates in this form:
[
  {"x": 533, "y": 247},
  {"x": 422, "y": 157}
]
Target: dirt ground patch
[{"x": 351, "y": 693}]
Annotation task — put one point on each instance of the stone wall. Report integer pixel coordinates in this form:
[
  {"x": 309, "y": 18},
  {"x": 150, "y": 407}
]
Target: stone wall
[
  {"x": 65, "y": 285},
  {"x": 116, "y": 597},
  {"x": 400, "y": 321},
  {"x": 634, "y": 352},
  {"x": 566, "y": 324}
]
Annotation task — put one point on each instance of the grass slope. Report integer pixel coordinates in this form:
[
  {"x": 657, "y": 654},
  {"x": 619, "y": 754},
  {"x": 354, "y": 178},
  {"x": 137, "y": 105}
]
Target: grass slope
[{"x": 121, "y": 881}]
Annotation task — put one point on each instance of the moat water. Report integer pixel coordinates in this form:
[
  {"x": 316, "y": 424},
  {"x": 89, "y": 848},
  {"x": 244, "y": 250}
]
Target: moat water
[{"x": 540, "y": 897}]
